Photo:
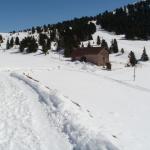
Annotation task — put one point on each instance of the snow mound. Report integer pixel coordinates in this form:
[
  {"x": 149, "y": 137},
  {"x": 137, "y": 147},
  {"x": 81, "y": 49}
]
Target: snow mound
[{"x": 69, "y": 118}]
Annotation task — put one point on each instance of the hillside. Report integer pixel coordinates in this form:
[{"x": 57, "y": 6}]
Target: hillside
[
  {"x": 131, "y": 20},
  {"x": 111, "y": 105},
  {"x": 48, "y": 101},
  {"x": 70, "y": 34}
]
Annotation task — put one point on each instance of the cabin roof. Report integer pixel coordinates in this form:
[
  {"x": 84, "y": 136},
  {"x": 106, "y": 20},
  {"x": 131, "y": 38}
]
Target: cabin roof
[{"x": 87, "y": 51}]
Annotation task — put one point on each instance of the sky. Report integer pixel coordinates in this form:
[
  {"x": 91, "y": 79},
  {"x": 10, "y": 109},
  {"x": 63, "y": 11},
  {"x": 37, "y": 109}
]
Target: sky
[{"x": 22, "y": 14}]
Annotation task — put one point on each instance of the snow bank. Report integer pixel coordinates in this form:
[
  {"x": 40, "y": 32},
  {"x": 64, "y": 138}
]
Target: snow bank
[{"x": 69, "y": 118}]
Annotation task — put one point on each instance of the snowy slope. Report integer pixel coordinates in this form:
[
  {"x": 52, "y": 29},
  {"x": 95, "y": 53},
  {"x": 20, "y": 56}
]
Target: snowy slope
[
  {"x": 24, "y": 123},
  {"x": 119, "y": 108}
]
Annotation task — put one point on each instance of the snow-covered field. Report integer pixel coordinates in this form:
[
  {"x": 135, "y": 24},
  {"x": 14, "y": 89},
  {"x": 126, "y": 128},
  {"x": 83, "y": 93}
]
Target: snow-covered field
[{"x": 80, "y": 105}]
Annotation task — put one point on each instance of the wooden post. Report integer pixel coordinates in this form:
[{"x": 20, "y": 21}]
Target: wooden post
[{"x": 134, "y": 74}]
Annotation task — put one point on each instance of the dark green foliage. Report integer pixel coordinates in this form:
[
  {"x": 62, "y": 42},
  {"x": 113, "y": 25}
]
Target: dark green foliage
[
  {"x": 98, "y": 40},
  {"x": 67, "y": 34},
  {"x": 53, "y": 35},
  {"x": 69, "y": 44},
  {"x": 38, "y": 29},
  {"x": 48, "y": 44},
  {"x": 45, "y": 47},
  {"x": 1, "y": 39},
  {"x": 45, "y": 42},
  {"x": 122, "y": 51},
  {"x": 133, "y": 20},
  {"x": 132, "y": 59},
  {"x": 144, "y": 56},
  {"x": 114, "y": 46},
  {"x": 104, "y": 44},
  {"x": 17, "y": 41},
  {"x": 89, "y": 44},
  {"x": 11, "y": 42},
  {"x": 7, "y": 45},
  {"x": 33, "y": 30},
  {"x": 82, "y": 45},
  {"x": 42, "y": 38},
  {"x": 45, "y": 28},
  {"x": 29, "y": 44}
]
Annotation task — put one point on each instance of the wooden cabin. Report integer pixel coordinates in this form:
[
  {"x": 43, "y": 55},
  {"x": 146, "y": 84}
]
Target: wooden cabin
[{"x": 96, "y": 55}]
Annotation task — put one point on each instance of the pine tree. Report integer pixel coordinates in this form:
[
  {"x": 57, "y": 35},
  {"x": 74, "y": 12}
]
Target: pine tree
[
  {"x": 33, "y": 30},
  {"x": 144, "y": 56},
  {"x": 1, "y": 39},
  {"x": 132, "y": 59},
  {"x": 122, "y": 51},
  {"x": 89, "y": 44},
  {"x": 29, "y": 44},
  {"x": 114, "y": 46},
  {"x": 48, "y": 44},
  {"x": 44, "y": 47},
  {"x": 104, "y": 44},
  {"x": 82, "y": 45},
  {"x": 98, "y": 40},
  {"x": 11, "y": 42},
  {"x": 17, "y": 41},
  {"x": 69, "y": 44},
  {"x": 7, "y": 45}
]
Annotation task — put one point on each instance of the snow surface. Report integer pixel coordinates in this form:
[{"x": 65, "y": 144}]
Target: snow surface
[
  {"x": 102, "y": 107},
  {"x": 24, "y": 123}
]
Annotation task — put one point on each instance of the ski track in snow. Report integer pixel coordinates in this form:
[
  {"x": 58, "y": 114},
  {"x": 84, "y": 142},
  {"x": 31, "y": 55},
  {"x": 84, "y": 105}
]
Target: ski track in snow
[
  {"x": 15, "y": 121},
  {"x": 18, "y": 122},
  {"x": 69, "y": 118}
]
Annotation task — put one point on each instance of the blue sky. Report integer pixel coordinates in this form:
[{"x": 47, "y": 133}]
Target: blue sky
[{"x": 20, "y": 14}]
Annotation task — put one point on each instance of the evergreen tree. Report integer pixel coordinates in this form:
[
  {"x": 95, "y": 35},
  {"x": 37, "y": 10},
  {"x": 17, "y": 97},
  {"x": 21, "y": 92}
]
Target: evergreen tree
[
  {"x": 38, "y": 29},
  {"x": 98, "y": 40},
  {"x": 45, "y": 28},
  {"x": 89, "y": 44},
  {"x": 69, "y": 43},
  {"x": 82, "y": 45},
  {"x": 114, "y": 46},
  {"x": 132, "y": 59},
  {"x": 42, "y": 38},
  {"x": 133, "y": 20},
  {"x": 17, "y": 41},
  {"x": 33, "y": 30},
  {"x": 122, "y": 51},
  {"x": 48, "y": 44},
  {"x": 29, "y": 44},
  {"x": 144, "y": 56},
  {"x": 11, "y": 42},
  {"x": 44, "y": 47},
  {"x": 1, "y": 39},
  {"x": 104, "y": 44},
  {"x": 7, "y": 45}
]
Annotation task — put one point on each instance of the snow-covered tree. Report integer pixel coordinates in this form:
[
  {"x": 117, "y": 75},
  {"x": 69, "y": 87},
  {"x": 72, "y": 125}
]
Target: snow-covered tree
[
  {"x": 144, "y": 56},
  {"x": 98, "y": 40},
  {"x": 132, "y": 59}
]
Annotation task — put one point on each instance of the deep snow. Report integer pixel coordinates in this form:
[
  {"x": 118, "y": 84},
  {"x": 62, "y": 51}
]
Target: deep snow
[
  {"x": 24, "y": 123},
  {"x": 118, "y": 107}
]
